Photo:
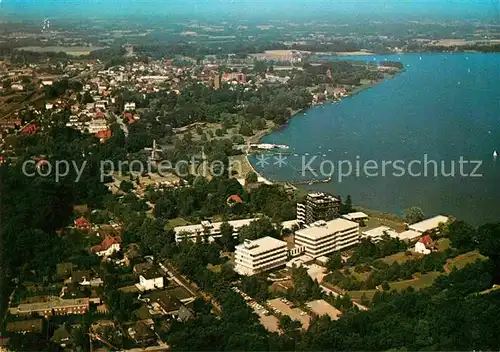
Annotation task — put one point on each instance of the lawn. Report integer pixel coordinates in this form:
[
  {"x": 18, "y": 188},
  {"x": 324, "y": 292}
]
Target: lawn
[
  {"x": 464, "y": 259},
  {"x": 418, "y": 282},
  {"x": 356, "y": 295},
  {"x": 176, "y": 222},
  {"x": 443, "y": 244},
  {"x": 360, "y": 276},
  {"x": 377, "y": 219},
  {"x": 400, "y": 257}
]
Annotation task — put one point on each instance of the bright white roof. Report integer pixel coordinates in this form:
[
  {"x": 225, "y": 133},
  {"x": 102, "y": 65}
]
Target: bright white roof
[
  {"x": 379, "y": 232},
  {"x": 409, "y": 235},
  {"x": 429, "y": 224},
  {"x": 261, "y": 245},
  {"x": 215, "y": 227},
  {"x": 316, "y": 232},
  {"x": 355, "y": 216},
  {"x": 289, "y": 224}
]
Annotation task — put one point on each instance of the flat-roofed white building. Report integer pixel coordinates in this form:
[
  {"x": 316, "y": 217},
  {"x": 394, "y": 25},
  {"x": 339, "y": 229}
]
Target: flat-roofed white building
[
  {"x": 429, "y": 225},
  {"x": 253, "y": 257},
  {"x": 206, "y": 227},
  {"x": 323, "y": 238},
  {"x": 377, "y": 233},
  {"x": 409, "y": 235},
  {"x": 356, "y": 216}
]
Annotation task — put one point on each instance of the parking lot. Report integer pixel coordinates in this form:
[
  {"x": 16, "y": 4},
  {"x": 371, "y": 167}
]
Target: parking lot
[
  {"x": 282, "y": 306},
  {"x": 269, "y": 321}
]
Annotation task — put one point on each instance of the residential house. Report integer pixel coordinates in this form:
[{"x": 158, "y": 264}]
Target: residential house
[
  {"x": 142, "y": 333},
  {"x": 150, "y": 277},
  {"x": 62, "y": 337},
  {"x": 83, "y": 224},
  {"x": 424, "y": 245},
  {"x": 129, "y": 106},
  {"x": 107, "y": 247},
  {"x": 103, "y": 135}
]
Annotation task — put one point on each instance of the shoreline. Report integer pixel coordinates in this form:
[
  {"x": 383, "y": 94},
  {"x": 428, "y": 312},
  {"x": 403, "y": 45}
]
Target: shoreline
[
  {"x": 261, "y": 134},
  {"x": 258, "y": 137}
]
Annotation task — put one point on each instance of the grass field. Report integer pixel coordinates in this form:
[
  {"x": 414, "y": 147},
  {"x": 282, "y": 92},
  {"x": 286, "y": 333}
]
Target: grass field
[
  {"x": 70, "y": 50},
  {"x": 443, "y": 244},
  {"x": 377, "y": 219},
  {"x": 420, "y": 281},
  {"x": 400, "y": 257},
  {"x": 176, "y": 222},
  {"x": 464, "y": 259},
  {"x": 360, "y": 276},
  {"x": 356, "y": 295}
]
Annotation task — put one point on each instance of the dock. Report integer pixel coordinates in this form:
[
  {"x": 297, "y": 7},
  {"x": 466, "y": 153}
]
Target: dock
[{"x": 311, "y": 182}]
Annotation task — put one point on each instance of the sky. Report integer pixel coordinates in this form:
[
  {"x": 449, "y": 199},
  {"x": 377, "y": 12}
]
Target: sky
[{"x": 250, "y": 8}]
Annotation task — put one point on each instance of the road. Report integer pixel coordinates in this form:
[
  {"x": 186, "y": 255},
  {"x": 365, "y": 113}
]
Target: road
[
  {"x": 123, "y": 126},
  {"x": 188, "y": 285}
]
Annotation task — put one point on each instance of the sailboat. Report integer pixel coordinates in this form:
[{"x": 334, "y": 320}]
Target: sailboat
[{"x": 495, "y": 154}]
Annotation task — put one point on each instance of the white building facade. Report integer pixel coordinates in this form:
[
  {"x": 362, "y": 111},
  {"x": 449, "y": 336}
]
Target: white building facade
[
  {"x": 322, "y": 238},
  {"x": 151, "y": 283},
  {"x": 253, "y": 257}
]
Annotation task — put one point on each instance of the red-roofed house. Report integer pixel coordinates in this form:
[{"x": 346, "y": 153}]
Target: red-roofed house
[
  {"x": 234, "y": 199},
  {"x": 100, "y": 115},
  {"x": 83, "y": 224},
  {"x": 107, "y": 247},
  {"x": 424, "y": 244},
  {"x": 129, "y": 117},
  {"x": 103, "y": 135},
  {"x": 30, "y": 129}
]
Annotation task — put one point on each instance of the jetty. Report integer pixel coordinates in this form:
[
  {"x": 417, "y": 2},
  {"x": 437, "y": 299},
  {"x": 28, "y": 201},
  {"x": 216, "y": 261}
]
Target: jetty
[{"x": 311, "y": 182}]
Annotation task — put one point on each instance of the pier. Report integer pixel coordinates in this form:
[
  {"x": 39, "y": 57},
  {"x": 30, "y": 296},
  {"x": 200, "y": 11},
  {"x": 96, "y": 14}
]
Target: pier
[{"x": 311, "y": 182}]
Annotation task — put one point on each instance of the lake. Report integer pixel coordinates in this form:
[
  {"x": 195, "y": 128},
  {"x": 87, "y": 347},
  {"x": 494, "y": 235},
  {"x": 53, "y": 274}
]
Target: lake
[{"x": 441, "y": 114}]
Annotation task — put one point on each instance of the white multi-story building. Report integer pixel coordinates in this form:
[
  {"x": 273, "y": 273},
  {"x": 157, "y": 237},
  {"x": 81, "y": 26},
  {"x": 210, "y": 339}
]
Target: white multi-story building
[
  {"x": 254, "y": 257},
  {"x": 322, "y": 237}
]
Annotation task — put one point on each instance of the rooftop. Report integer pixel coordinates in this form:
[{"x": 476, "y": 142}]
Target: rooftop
[
  {"x": 409, "y": 235},
  {"x": 321, "y": 307},
  {"x": 429, "y": 224},
  {"x": 355, "y": 216},
  {"x": 261, "y": 245},
  {"x": 380, "y": 231},
  {"x": 322, "y": 229},
  {"x": 215, "y": 227}
]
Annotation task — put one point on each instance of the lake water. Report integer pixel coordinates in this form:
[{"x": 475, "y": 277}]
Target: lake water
[{"x": 443, "y": 109}]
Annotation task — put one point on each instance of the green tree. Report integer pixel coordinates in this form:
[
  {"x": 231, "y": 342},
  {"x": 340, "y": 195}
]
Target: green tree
[
  {"x": 251, "y": 177},
  {"x": 334, "y": 262},
  {"x": 413, "y": 215},
  {"x": 227, "y": 238}
]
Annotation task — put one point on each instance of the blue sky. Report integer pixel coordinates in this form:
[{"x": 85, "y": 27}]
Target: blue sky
[{"x": 481, "y": 8}]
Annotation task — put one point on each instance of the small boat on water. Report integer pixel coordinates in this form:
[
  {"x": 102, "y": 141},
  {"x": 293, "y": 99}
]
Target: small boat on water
[{"x": 495, "y": 154}]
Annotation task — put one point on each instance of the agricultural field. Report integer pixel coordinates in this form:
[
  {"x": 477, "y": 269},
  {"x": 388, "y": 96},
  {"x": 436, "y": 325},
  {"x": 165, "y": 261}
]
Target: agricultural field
[{"x": 69, "y": 50}]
